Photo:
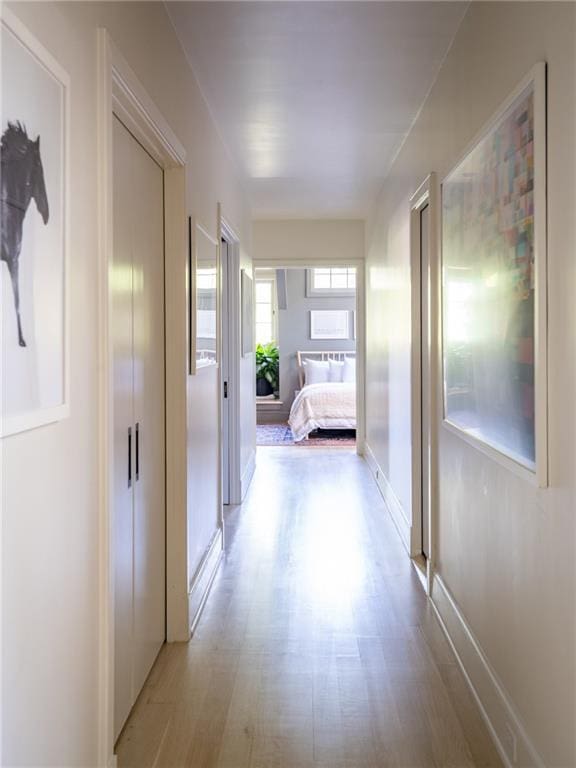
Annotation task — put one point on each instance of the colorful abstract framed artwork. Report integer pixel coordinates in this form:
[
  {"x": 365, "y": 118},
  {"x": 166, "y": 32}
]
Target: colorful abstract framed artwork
[
  {"x": 494, "y": 286},
  {"x": 35, "y": 381}
]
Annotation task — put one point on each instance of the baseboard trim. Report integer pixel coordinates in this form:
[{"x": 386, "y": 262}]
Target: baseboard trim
[
  {"x": 495, "y": 706},
  {"x": 247, "y": 475},
  {"x": 392, "y": 503},
  {"x": 203, "y": 579}
]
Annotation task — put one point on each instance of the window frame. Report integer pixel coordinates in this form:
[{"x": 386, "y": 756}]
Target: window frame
[
  {"x": 266, "y": 276},
  {"x": 312, "y": 292}
]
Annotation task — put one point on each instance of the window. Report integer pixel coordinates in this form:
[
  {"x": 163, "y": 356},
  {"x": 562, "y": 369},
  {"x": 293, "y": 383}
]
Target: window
[
  {"x": 331, "y": 281},
  {"x": 265, "y": 287}
]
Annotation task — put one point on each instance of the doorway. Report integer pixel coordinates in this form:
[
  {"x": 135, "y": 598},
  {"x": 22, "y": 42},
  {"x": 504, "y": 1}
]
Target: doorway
[
  {"x": 424, "y": 278},
  {"x": 308, "y": 337},
  {"x": 424, "y": 213},
  {"x": 230, "y": 363}
]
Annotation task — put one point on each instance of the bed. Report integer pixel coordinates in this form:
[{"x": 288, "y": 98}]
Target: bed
[{"x": 327, "y": 395}]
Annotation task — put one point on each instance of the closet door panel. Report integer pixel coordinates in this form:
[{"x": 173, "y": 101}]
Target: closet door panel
[
  {"x": 122, "y": 333},
  {"x": 149, "y": 400}
]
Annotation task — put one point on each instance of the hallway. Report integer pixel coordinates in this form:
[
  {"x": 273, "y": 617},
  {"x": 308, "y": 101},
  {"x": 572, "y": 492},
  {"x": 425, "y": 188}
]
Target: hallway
[{"x": 317, "y": 646}]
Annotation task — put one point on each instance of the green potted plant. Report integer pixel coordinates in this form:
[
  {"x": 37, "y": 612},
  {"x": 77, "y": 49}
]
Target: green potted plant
[{"x": 267, "y": 367}]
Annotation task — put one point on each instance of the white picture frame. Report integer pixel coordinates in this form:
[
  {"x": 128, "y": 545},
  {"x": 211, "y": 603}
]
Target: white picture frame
[
  {"x": 35, "y": 341},
  {"x": 491, "y": 422},
  {"x": 203, "y": 304},
  {"x": 329, "y": 324}
]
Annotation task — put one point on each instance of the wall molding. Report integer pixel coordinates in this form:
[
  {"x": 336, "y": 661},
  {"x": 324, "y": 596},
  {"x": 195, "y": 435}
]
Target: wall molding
[
  {"x": 248, "y": 474},
  {"x": 393, "y": 504},
  {"x": 203, "y": 578},
  {"x": 498, "y": 713}
]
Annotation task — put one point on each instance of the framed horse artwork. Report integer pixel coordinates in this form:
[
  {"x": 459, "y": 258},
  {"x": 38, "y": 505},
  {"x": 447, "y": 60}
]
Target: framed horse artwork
[{"x": 33, "y": 224}]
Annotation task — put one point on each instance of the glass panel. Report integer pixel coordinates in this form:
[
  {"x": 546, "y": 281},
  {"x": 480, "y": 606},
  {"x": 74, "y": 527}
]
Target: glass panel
[
  {"x": 263, "y": 291},
  {"x": 263, "y": 333},
  {"x": 339, "y": 281},
  {"x": 352, "y": 279},
  {"x": 322, "y": 280},
  {"x": 263, "y": 313}
]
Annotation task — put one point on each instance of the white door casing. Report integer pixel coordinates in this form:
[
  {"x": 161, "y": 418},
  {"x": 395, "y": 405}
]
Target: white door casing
[{"x": 424, "y": 370}]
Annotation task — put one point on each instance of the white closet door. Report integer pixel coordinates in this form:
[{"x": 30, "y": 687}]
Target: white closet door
[
  {"x": 122, "y": 342},
  {"x": 137, "y": 282},
  {"x": 149, "y": 407}
]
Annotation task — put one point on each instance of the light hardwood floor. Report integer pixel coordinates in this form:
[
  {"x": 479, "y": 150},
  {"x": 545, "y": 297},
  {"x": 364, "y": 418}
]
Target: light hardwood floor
[{"x": 317, "y": 647}]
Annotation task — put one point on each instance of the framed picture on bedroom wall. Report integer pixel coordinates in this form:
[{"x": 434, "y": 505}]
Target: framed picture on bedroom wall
[
  {"x": 329, "y": 324},
  {"x": 34, "y": 224},
  {"x": 494, "y": 286}
]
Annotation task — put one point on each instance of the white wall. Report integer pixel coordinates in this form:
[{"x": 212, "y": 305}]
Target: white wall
[
  {"x": 505, "y": 549},
  {"x": 50, "y": 475},
  {"x": 288, "y": 240}
]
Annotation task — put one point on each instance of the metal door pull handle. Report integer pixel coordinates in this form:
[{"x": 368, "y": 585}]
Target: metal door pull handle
[
  {"x": 137, "y": 450},
  {"x": 129, "y": 456}
]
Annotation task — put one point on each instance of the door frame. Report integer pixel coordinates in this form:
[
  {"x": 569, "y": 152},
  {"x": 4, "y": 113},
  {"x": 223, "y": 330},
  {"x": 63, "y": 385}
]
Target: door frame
[
  {"x": 120, "y": 92},
  {"x": 229, "y": 234},
  {"x": 359, "y": 264},
  {"x": 425, "y": 196}
]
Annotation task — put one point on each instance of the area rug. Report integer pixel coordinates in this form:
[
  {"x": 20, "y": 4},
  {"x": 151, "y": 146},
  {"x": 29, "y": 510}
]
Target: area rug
[
  {"x": 281, "y": 434},
  {"x": 274, "y": 434}
]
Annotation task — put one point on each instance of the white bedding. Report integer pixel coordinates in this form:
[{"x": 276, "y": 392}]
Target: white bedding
[{"x": 323, "y": 406}]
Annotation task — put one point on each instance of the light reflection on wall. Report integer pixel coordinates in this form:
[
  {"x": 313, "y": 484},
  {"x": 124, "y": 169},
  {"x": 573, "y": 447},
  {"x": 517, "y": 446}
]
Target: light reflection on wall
[{"x": 458, "y": 317}]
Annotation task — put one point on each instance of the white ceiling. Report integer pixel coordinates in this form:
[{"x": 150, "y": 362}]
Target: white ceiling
[{"x": 313, "y": 99}]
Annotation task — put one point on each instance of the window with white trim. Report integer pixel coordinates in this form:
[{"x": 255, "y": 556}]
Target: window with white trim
[
  {"x": 331, "y": 281},
  {"x": 265, "y": 288}
]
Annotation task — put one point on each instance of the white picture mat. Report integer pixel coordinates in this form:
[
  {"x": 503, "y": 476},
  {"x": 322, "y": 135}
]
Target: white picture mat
[
  {"x": 329, "y": 324},
  {"x": 35, "y": 377},
  {"x": 535, "y": 471}
]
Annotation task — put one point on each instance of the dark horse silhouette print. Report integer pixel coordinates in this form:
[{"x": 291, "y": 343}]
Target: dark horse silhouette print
[{"x": 22, "y": 181}]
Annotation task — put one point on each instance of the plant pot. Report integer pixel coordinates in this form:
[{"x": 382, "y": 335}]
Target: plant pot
[{"x": 263, "y": 387}]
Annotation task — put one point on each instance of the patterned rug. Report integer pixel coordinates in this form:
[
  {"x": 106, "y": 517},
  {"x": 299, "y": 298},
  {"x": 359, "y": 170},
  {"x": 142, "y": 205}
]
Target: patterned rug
[{"x": 281, "y": 434}]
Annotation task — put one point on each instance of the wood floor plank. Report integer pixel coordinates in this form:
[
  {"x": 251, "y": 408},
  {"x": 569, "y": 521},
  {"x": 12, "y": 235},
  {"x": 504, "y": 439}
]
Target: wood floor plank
[{"x": 317, "y": 647}]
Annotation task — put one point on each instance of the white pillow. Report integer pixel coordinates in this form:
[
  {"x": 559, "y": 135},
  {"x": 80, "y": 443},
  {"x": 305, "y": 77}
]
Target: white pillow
[
  {"x": 336, "y": 370},
  {"x": 316, "y": 371},
  {"x": 349, "y": 371}
]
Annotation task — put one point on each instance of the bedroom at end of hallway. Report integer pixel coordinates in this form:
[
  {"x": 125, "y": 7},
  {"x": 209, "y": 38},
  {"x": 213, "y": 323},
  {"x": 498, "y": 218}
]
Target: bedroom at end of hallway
[{"x": 305, "y": 334}]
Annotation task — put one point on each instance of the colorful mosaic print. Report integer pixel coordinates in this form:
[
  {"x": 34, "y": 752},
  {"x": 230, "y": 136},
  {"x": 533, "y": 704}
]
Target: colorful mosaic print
[{"x": 488, "y": 286}]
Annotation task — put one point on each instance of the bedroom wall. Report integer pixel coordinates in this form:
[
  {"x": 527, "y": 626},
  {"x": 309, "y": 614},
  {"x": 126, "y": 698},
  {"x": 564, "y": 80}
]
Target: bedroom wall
[
  {"x": 50, "y": 476},
  {"x": 294, "y": 331},
  {"x": 505, "y": 548}
]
